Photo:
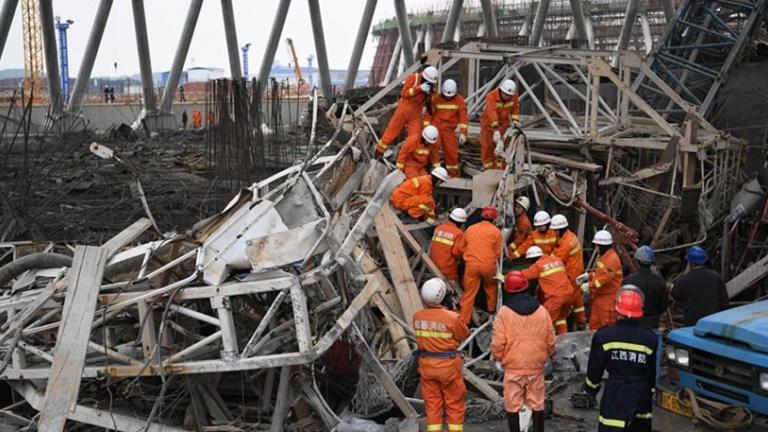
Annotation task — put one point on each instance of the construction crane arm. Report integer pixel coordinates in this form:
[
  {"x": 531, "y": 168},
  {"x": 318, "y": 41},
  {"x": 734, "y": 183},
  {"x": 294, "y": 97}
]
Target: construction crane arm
[{"x": 296, "y": 67}]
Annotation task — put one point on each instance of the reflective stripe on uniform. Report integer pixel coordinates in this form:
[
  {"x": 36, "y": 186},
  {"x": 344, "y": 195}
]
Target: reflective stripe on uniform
[
  {"x": 591, "y": 384},
  {"x": 598, "y": 285},
  {"x": 463, "y": 125},
  {"x": 575, "y": 250},
  {"x": 553, "y": 270},
  {"x": 495, "y": 124},
  {"x": 436, "y": 165},
  {"x": 421, "y": 151},
  {"x": 509, "y": 104},
  {"x": 627, "y": 346},
  {"x": 434, "y": 427},
  {"x": 647, "y": 415},
  {"x": 400, "y": 166},
  {"x": 447, "y": 106},
  {"x": 579, "y": 309},
  {"x": 443, "y": 240},
  {"x": 451, "y": 166},
  {"x": 545, "y": 240},
  {"x": 425, "y": 122},
  {"x": 434, "y": 334},
  {"x": 612, "y": 422},
  {"x": 488, "y": 164},
  {"x": 382, "y": 145},
  {"x": 512, "y": 246},
  {"x": 455, "y": 427},
  {"x": 411, "y": 91},
  {"x": 561, "y": 322},
  {"x": 415, "y": 181}
]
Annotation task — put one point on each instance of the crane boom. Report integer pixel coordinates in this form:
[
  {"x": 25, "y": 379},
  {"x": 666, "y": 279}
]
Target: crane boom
[
  {"x": 33, "y": 50},
  {"x": 296, "y": 67}
]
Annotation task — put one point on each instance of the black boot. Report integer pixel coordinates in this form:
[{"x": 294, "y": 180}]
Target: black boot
[
  {"x": 538, "y": 421},
  {"x": 513, "y": 420}
]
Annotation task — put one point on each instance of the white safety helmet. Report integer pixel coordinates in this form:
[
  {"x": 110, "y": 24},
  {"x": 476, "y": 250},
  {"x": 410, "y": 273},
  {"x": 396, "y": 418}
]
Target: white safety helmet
[
  {"x": 603, "y": 238},
  {"x": 524, "y": 202},
  {"x": 440, "y": 173},
  {"x": 559, "y": 222},
  {"x": 458, "y": 215},
  {"x": 449, "y": 88},
  {"x": 433, "y": 292},
  {"x": 508, "y": 86},
  {"x": 430, "y": 74},
  {"x": 533, "y": 252},
  {"x": 429, "y": 134},
  {"x": 541, "y": 218}
]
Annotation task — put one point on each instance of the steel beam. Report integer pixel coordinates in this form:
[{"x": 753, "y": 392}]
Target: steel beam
[
  {"x": 489, "y": 19},
  {"x": 590, "y": 31},
  {"x": 629, "y": 23},
  {"x": 6, "y": 19},
  {"x": 89, "y": 57},
  {"x": 322, "y": 55},
  {"x": 181, "y": 55},
  {"x": 230, "y": 32},
  {"x": 145, "y": 61},
  {"x": 578, "y": 20},
  {"x": 405, "y": 32},
  {"x": 647, "y": 36},
  {"x": 538, "y": 23},
  {"x": 51, "y": 56},
  {"x": 362, "y": 37},
  {"x": 392, "y": 62},
  {"x": 452, "y": 21},
  {"x": 669, "y": 10},
  {"x": 272, "y": 42}
]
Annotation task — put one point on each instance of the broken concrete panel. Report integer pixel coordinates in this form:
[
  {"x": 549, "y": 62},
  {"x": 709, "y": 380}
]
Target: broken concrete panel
[{"x": 279, "y": 249}]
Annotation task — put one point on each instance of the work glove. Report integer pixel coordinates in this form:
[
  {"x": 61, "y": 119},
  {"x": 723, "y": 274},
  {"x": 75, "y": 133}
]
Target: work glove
[
  {"x": 515, "y": 124},
  {"x": 462, "y": 139},
  {"x": 496, "y": 137},
  {"x": 584, "y": 277},
  {"x": 426, "y": 88},
  {"x": 585, "y": 287}
]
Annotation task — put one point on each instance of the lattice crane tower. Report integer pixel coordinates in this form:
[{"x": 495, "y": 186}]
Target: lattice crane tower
[{"x": 33, "y": 50}]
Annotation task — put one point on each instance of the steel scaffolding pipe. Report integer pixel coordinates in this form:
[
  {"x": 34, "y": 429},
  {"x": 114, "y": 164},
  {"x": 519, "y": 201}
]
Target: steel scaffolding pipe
[
  {"x": 362, "y": 37},
  {"x": 629, "y": 23},
  {"x": 230, "y": 33},
  {"x": 145, "y": 62},
  {"x": 669, "y": 10},
  {"x": 6, "y": 19},
  {"x": 452, "y": 21},
  {"x": 578, "y": 20},
  {"x": 272, "y": 42},
  {"x": 489, "y": 18},
  {"x": 393, "y": 61},
  {"x": 89, "y": 57},
  {"x": 322, "y": 54},
  {"x": 538, "y": 23},
  {"x": 51, "y": 56},
  {"x": 181, "y": 55},
  {"x": 405, "y": 32}
]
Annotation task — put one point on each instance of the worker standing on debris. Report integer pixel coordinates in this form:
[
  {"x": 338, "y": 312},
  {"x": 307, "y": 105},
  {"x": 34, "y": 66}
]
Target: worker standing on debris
[
  {"x": 604, "y": 282},
  {"x": 627, "y": 351},
  {"x": 444, "y": 251},
  {"x": 555, "y": 290},
  {"x": 701, "y": 291},
  {"x": 522, "y": 343},
  {"x": 414, "y": 195},
  {"x": 439, "y": 332},
  {"x": 653, "y": 286},
  {"x": 449, "y": 111},
  {"x": 481, "y": 248},
  {"x": 417, "y": 87},
  {"x": 523, "y": 225},
  {"x": 502, "y": 108},
  {"x": 542, "y": 236},
  {"x": 568, "y": 250},
  {"x": 418, "y": 151}
]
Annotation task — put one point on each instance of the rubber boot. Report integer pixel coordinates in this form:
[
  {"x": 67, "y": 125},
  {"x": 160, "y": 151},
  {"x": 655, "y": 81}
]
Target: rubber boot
[
  {"x": 538, "y": 421},
  {"x": 513, "y": 420}
]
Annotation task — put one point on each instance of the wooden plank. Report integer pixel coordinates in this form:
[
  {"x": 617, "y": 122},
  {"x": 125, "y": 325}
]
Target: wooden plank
[
  {"x": 585, "y": 166},
  {"x": 481, "y": 385},
  {"x": 126, "y": 236},
  {"x": 281, "y": 404},
  {"x": 747, "y": 278},
  {"x": 74, "y": 334}
]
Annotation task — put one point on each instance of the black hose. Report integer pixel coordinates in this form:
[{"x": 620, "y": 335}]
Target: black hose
[{"x": 39, "y": 260}]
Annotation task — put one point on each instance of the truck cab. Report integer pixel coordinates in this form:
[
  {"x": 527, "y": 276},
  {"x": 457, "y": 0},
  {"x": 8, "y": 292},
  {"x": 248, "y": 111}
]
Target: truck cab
[{"x": 723, "y": 357}]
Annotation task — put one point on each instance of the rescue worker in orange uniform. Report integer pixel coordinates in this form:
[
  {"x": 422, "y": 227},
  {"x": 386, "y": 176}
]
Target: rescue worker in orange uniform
[
  {"x": 604, "y": 282},
  {"x": 555, "y": 290},
  {"x": 417, "y": 87},
  {"x": 480, "y": 247},
  {"x": 418, "y": 151},
  {"x": 569, "y": 251},
  {"x": 523, "y": 225},
  {"x": 449, "y": 111},
  {"x": 414, "y": 195},
  {"x": 542, "y": 236},
  {"x": 522, "y": 343},
  {"x": 502, "y": 108},
  {"x": 444, "y": 251},
  {"x": 439, "y": 332}
]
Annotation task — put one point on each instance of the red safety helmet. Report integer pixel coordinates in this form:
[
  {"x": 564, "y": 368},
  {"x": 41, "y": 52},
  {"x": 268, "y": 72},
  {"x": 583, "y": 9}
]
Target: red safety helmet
[
  {"x": 629, "y": 301},
  {"x": 515, "y": 282},
  {"x": 489, "y": 213}
]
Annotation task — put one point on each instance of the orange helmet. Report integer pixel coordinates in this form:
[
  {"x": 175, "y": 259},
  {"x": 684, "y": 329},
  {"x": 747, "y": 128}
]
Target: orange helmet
[
  {"x": 489, "y": 213},
  {"x": 629, "y": 301},
  {"x": 515, "y": 282}
]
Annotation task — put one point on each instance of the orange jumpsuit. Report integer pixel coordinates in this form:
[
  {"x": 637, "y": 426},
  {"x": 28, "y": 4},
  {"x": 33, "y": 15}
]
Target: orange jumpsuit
[
  {"x": 446, "y": 115},
  {"x": 497, "y": 115},
  {"x": 569, "y": 251},
  {"x": 439, "y": 332},
  {"x": 523, "y": 344},
  {"x": 545, "y": 240},
  {"x": 414, "y": 196},
  {"x": 445, "y": 249},
  {"x": 523, "y": 229},
  {"x": 414, "y": 156},
  {"x": 604, "y": 282},
  {"x": 481, "y": 247},
  {"x": 555, "y": 289},
  {"x": 408, "y": 112}
]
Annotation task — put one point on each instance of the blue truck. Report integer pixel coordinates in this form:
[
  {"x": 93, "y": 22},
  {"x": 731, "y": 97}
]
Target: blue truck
[{"x": 723, "y": 357}]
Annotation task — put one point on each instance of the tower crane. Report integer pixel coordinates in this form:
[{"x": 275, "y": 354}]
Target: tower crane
[
  {"x": 300, "y": 83},
  {"x": 33, "y": 50}
]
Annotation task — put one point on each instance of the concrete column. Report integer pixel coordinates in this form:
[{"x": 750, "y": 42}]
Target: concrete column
[
  {"x": 322, "y": 54},
  {"x": 230, "y": 32},
  {"x": 405, "y": 32},
  {"x": 86, "y": 66},
  {"x": 51, "y": 56},
  {"x": 181, "y": 55},
  {"x": 538, "y": 23},
  {"x": 6, "y": 19},
  {"x": 489, "y": 18},
  {"x": 452, "y": 21},
  {"x": 272, "y": 42},
  {"x": 392, "y": 62},
  {"x": 629, "y": 23},
  {"x": 669, "y": 10},
  {"x": 145, "y": 62},
  {"x": 362, "y": 37},
  {"x": 578, "y": 20},
  {"x": 647, "y": 36}
]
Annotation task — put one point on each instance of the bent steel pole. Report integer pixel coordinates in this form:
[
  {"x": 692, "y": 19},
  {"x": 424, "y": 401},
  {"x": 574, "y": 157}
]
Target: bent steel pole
[
  {"x": 272, "y": 42},
  {"x": 6, "y": 19},
  {"x": 405, "y": 32},
  {"x": 629, "y": 24},
  {"x": 322, "y": 54},
  {"x": 51, "y": 56},
  {"x": 89, "y": 57},
  {"x": 357, "y": 51},
  {"x": 452, "y": 21},
  {"x": 393, "y": 62},
  {"x": 578, "y": 21},
  {"x": 489, "y": 18},
  {"x": 181, "y": 55},
  {"x": 230, "y": 33},
  {"x": 538, "y": 23},
  {"x": 145, "y": 63}
]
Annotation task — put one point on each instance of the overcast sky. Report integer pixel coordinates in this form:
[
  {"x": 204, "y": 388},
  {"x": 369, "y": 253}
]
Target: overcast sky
[{"x": 165, "y": 19}]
